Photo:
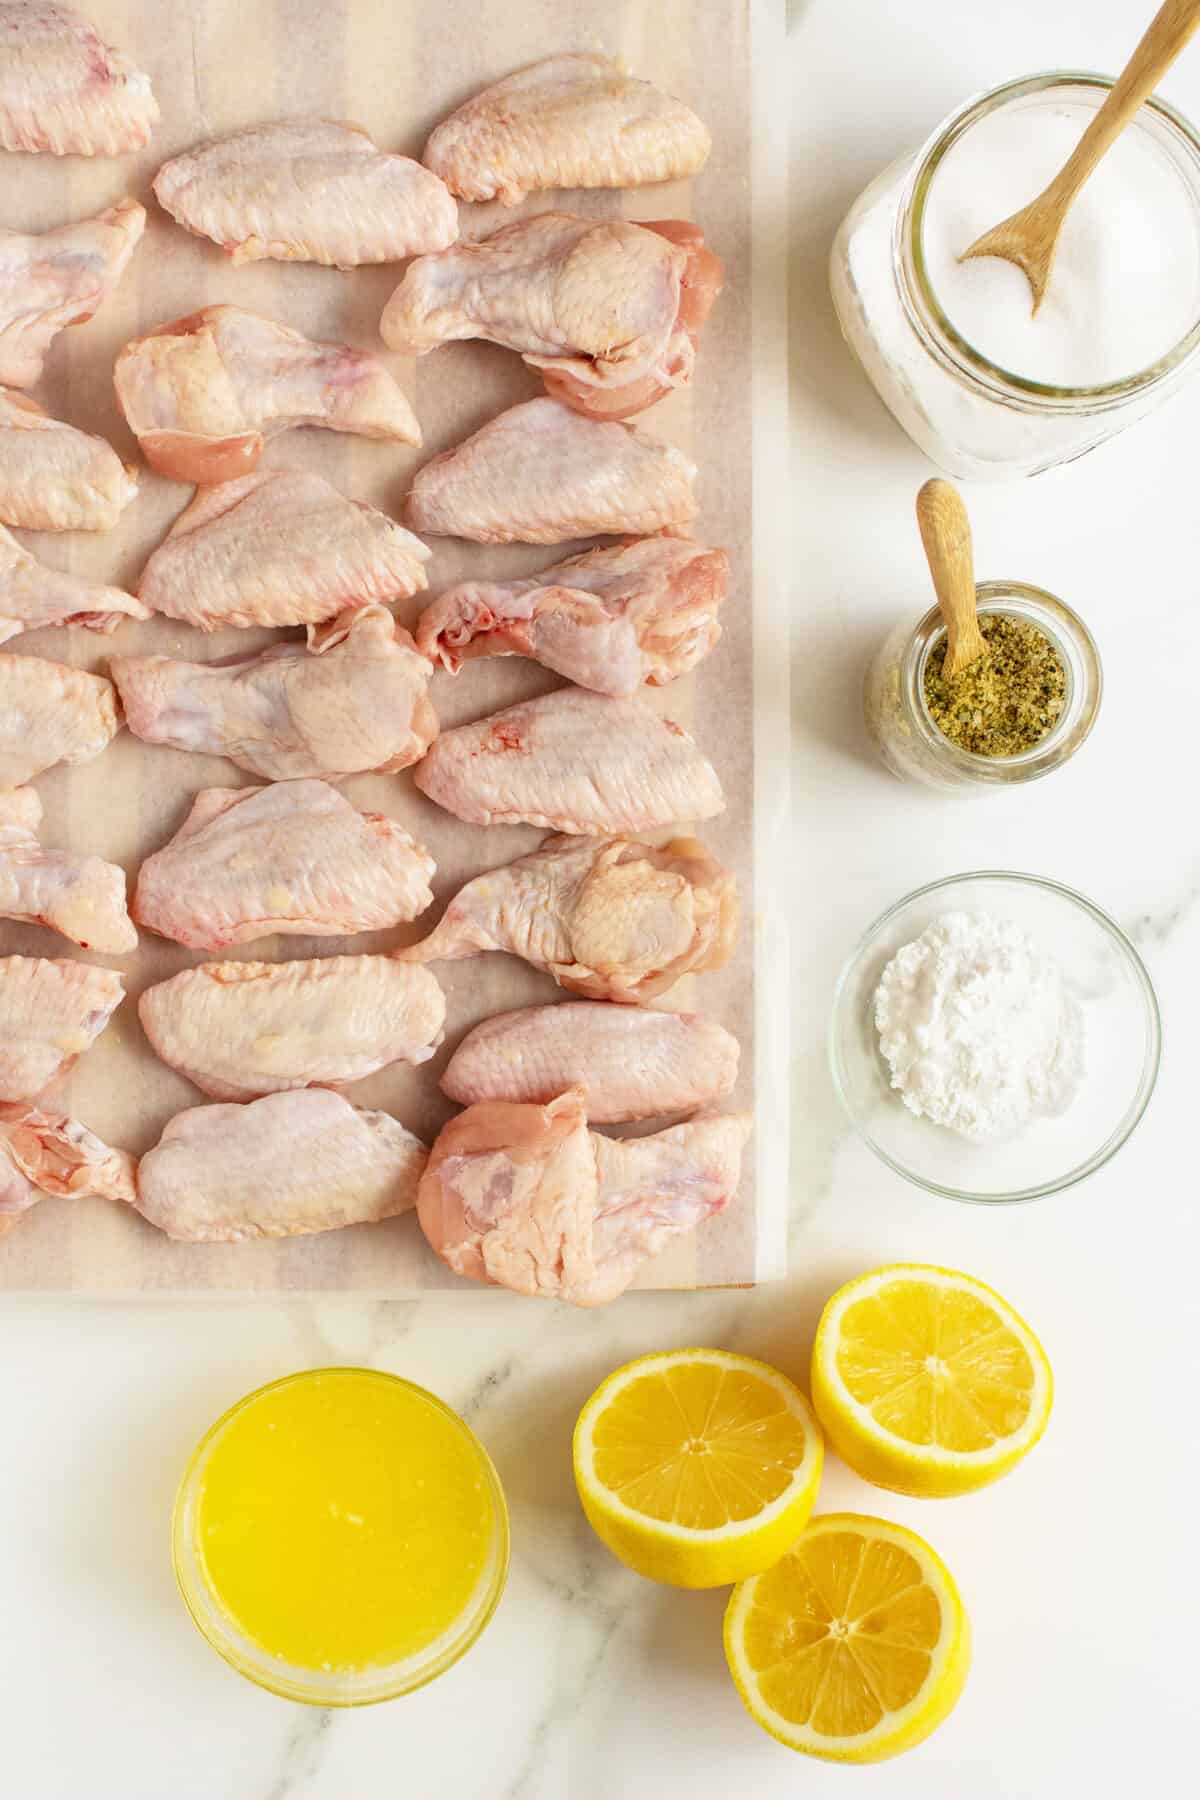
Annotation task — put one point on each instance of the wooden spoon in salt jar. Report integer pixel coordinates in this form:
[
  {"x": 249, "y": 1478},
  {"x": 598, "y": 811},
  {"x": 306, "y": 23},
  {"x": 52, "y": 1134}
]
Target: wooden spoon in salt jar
[
  {"x": 1030, "y": 237},
  {"x": 946, "y": 534}
]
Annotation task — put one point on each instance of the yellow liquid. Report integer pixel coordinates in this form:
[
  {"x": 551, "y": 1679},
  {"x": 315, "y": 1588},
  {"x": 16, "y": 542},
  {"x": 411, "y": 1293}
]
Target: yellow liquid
[{"x": 344, "y": 1520}]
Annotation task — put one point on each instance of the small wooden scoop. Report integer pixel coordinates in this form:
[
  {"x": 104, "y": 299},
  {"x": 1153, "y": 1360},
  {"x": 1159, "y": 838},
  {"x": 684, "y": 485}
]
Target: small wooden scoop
[
  {"x": 946, "y": 534},
  {"x": 1030, "y": 237}
]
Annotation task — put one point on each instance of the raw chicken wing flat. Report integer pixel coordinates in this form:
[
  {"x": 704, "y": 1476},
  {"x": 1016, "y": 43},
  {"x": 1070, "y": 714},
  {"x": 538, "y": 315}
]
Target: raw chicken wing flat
[
  {"x": 63, "y": 89},
  {"x": 574, "y": 121},
  {"x": 611, "y": 619},
  {"x": 203, "y": 394},
  {"x": 33, "y": 595},
  {"x": 50, "y": 713},
  {"x": 626, "y": 1061},
  {"x": 240, "y": 1029},
  {"x": 540, "y": 474},
  {"x": 609, "y": 919},
  {"x": 59, "y": 278},
  {"x": 575, "y": 762},
  {"x": 51, "y": 1011},
  {"x": 356, "y": 701},
  {"x": 81, "y": 897},
  {"x": 53, "y": 477},
  {"x": 294, "y": 857},
  {"x": 49, "y": 1153},
  {"x": 285, "y": 1166},
  {"x": 607, "y": 310},
  {"x": 279, "y": 547},
  {"x": 307, "y": 190},
  {"x": 526, "y": 1197}
]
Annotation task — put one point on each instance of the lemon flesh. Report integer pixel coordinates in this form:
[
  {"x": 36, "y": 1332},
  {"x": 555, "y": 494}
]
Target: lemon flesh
[
  {"x": 927, "y": 1382},
  {"x": 697, "y": 1467},
  {"x": 854, "y": 1646}
]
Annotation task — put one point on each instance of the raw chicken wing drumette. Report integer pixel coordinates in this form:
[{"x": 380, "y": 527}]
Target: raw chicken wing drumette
[
  {"x": 607, "y": 311},
  {"x": 607, "y": 918},
  {"x": 203, "y": 394}
]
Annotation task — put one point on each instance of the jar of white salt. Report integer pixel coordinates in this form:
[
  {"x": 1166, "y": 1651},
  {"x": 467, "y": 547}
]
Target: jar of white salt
[{"x": 983, "y": 385}]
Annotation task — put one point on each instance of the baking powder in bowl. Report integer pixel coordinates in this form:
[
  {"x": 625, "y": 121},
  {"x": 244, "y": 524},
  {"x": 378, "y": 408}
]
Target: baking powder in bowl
[{"x": 977, "y": 1029}]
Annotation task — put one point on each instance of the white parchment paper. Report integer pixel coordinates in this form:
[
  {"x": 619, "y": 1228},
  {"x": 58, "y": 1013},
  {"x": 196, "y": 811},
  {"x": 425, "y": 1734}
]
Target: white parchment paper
[{"x": 397, "y": 66}]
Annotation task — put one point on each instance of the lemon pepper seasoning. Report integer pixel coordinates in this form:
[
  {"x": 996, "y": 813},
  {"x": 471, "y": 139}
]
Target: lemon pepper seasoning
[{"x": 1008, "y": 699}]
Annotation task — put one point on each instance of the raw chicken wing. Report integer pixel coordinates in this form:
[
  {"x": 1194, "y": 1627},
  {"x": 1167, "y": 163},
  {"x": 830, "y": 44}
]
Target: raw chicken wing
[
  {"x": 279, "y": 548},
  {"x": 540, "y": 474},
  {"x": 626, "y": 1061},
  {"x": 51, "y": 1011},
  {"x": 240, "y": 1029},
  {"x": 356, "y": 701},
  {"x": 50, "y": 713},
  {"x": 286, "y": 1166},
  {"x": 609, "y": 620},
  {"x": 48, "y": 1153},
  {"x": 572, "y": 761},
  {"x": 654, "y": 1188},
  {"x": 307, "y": 190},
  {"x": 32, "y": 595},
  {"x": 203, "y": 394},
  {"x": 63, "y": 89},
  {"x": 59, "y": 278},
  {"x": 575, "y": 121},
  {"x": 53, "y": 477},
  {"x": 526, "y": 1197},
  {"x": 613, "y": 920},
  {"x": 79, "y": 896},
  {"x": 609, "y": 311},
  {"x": 294, "y": 857}
]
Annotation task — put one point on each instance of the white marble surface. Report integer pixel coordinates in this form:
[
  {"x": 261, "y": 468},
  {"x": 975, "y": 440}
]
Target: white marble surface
[{"x": 1080, "y": 1571}]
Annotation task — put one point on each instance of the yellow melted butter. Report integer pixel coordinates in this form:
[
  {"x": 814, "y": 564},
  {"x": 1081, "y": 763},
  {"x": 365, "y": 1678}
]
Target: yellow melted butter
[{"x": 343, "y": 1522}]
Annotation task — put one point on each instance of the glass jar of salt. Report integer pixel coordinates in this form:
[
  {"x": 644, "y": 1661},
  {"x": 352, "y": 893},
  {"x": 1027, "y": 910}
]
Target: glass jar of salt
[
  {"x": 1016, "y": 714},
  {"x": 983, "y": 385}
]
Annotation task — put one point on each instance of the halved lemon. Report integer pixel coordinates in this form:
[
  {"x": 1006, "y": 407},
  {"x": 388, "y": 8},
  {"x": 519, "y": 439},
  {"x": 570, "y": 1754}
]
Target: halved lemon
[
  {"x": 927, "y": 1382},
  {"x": 697, "y": 1467},
  {"x": 855, "y": 1646}
]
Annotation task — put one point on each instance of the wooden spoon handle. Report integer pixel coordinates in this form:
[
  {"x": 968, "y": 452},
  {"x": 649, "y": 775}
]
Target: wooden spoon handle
[
  {"x": 1165, "y": 36},
  {"x": 946, "y": 534}
]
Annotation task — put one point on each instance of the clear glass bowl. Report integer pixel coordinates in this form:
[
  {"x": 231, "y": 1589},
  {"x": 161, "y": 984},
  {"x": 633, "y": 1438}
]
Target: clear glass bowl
[
  {"x": 1122, "y": 1044},
  {"x": 316, "y": 1687}
]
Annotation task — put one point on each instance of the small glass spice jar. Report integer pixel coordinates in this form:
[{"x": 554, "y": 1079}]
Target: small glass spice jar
[{"x": 915, "y": 748}]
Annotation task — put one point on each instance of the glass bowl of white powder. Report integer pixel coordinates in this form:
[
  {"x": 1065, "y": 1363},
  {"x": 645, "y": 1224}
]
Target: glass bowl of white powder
[
  {"x": 995, "y": 1037},
  {"x": 985, "y": 387}
]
